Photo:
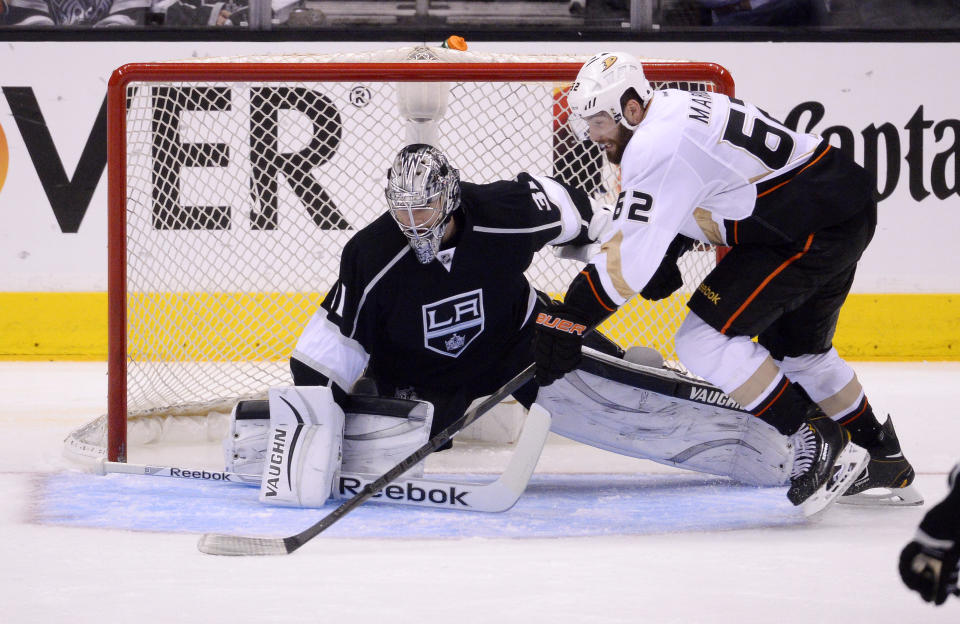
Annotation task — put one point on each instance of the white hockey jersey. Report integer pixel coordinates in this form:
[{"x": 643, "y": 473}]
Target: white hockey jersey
[{"x": 693, "y": 163}]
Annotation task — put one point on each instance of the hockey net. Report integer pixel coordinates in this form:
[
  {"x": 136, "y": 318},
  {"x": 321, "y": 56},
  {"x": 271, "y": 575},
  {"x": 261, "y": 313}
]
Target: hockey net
[{"x": 235, "y": 182}]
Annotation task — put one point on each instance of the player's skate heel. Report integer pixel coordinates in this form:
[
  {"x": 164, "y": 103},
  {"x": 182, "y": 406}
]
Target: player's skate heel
[
  {"x": 888, "y": 476},
  {"x": 825, "y": 464}
]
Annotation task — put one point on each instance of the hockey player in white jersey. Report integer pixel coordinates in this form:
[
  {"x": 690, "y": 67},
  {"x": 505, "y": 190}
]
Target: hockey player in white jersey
[{"x": 797, "y": 215}]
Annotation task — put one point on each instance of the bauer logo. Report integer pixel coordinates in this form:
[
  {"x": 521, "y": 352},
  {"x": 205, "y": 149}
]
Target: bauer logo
[{"x": 451, "y": 324}]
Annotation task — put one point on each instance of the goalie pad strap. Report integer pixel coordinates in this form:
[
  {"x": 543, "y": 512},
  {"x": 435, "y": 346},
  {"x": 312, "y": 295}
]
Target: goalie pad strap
[{"x": 251, "y": 410}]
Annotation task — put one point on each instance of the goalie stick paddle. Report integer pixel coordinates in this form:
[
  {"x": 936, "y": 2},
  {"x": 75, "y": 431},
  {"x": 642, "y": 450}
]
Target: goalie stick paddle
[{"x": 218, "y": 544}]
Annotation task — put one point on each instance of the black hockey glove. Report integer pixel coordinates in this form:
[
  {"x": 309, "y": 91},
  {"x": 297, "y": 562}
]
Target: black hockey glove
[
  {"x": 928, "y": 564},
  {"x": 929, "y": 569},
  {"x": 667, "y": 278},
  {"x": 557, "y": 341},
  {"x": 664, "y": 282}
]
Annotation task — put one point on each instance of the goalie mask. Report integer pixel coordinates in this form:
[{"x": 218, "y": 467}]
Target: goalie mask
[
  {"x": 601, "y": 83},
  {"x": 422, "y": 190}
]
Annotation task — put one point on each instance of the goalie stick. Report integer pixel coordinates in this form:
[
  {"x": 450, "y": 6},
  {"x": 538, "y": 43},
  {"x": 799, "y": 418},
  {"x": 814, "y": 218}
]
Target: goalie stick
[
  {"x": 500, "y": 495},
  {"x": 218, "y": 544}
]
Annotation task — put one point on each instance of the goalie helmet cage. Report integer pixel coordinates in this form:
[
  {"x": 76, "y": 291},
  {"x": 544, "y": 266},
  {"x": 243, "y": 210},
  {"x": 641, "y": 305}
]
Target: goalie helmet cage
[{"x": 235, "y": 182}]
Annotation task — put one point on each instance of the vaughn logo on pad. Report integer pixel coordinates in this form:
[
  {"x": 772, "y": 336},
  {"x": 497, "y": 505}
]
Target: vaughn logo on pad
[{"x": 451, "y": 324}]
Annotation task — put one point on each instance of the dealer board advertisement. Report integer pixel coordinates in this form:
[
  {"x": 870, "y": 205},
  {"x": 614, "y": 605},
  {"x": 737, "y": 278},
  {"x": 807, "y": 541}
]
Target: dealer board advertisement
[{"x": 882, "y": 102}]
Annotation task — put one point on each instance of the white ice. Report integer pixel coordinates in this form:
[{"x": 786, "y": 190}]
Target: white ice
[{"x": 841, "y": 569}]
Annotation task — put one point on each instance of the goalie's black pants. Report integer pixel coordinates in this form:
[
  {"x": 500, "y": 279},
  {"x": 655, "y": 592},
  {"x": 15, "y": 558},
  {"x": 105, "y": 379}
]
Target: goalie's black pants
[{"x": 788, "y": 295}]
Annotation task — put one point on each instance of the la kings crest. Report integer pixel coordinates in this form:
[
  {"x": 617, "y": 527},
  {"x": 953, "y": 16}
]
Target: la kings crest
[{"x": 451, "y": 324}]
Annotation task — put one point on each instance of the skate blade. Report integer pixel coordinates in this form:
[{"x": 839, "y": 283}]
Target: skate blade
[
  {"x": 849, "y": 465},
  {"x": 885, "y": 497}
]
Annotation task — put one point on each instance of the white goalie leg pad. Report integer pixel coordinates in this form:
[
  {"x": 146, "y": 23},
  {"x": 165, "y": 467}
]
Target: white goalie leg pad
[
  {"x": 303, "y": 446},
  {"x": 380, "y": 432},
  {"x": 658, "y": 414}
]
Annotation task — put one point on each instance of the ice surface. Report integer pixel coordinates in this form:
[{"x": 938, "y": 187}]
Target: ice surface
[{"x": 597, "y": 538}]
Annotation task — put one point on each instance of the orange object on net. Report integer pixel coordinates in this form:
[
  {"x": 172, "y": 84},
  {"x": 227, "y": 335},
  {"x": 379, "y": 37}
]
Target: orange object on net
[{"x": 455, "y": 42}]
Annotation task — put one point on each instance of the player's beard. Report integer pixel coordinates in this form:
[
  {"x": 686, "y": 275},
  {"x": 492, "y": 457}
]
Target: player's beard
[{"x": 619, "y": 144}]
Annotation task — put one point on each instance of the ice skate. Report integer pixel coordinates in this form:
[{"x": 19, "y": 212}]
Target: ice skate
[
  {"x": 825, "y": 464},
  {"x": 888, "y": 476}
]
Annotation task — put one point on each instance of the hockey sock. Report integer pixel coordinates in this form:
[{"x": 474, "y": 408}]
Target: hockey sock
[
  {"x": 785, "y": 407},
  {"x": 866, "y": 431}
]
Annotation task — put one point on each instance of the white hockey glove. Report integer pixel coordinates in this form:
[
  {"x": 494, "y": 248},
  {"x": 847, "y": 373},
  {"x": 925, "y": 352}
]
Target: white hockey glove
[
  {"x": 303, "y": 446},
  {"x": 599, "y": 230}
]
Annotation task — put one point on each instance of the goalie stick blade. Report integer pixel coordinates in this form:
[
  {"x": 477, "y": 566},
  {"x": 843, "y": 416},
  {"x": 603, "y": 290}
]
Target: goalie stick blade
[
  {"x": 513, "y": 482},
  {"x": 848, "y": 466},
  {"x": 495, "y": 497},
  {"x": 237, "y": 546}
]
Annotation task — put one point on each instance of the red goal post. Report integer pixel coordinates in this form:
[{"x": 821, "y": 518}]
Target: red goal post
[{"x": 234, "y": 183}]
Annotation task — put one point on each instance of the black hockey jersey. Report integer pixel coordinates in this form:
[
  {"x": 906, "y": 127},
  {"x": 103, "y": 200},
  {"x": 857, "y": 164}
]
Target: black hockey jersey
[{"x": 455, "y": 320}]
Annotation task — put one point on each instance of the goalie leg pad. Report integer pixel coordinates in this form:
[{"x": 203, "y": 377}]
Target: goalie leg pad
[
  {"x": 381, "y": 432},
  {"x": 303, "y": 446},
  {"x": 657, "y": 414}
]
